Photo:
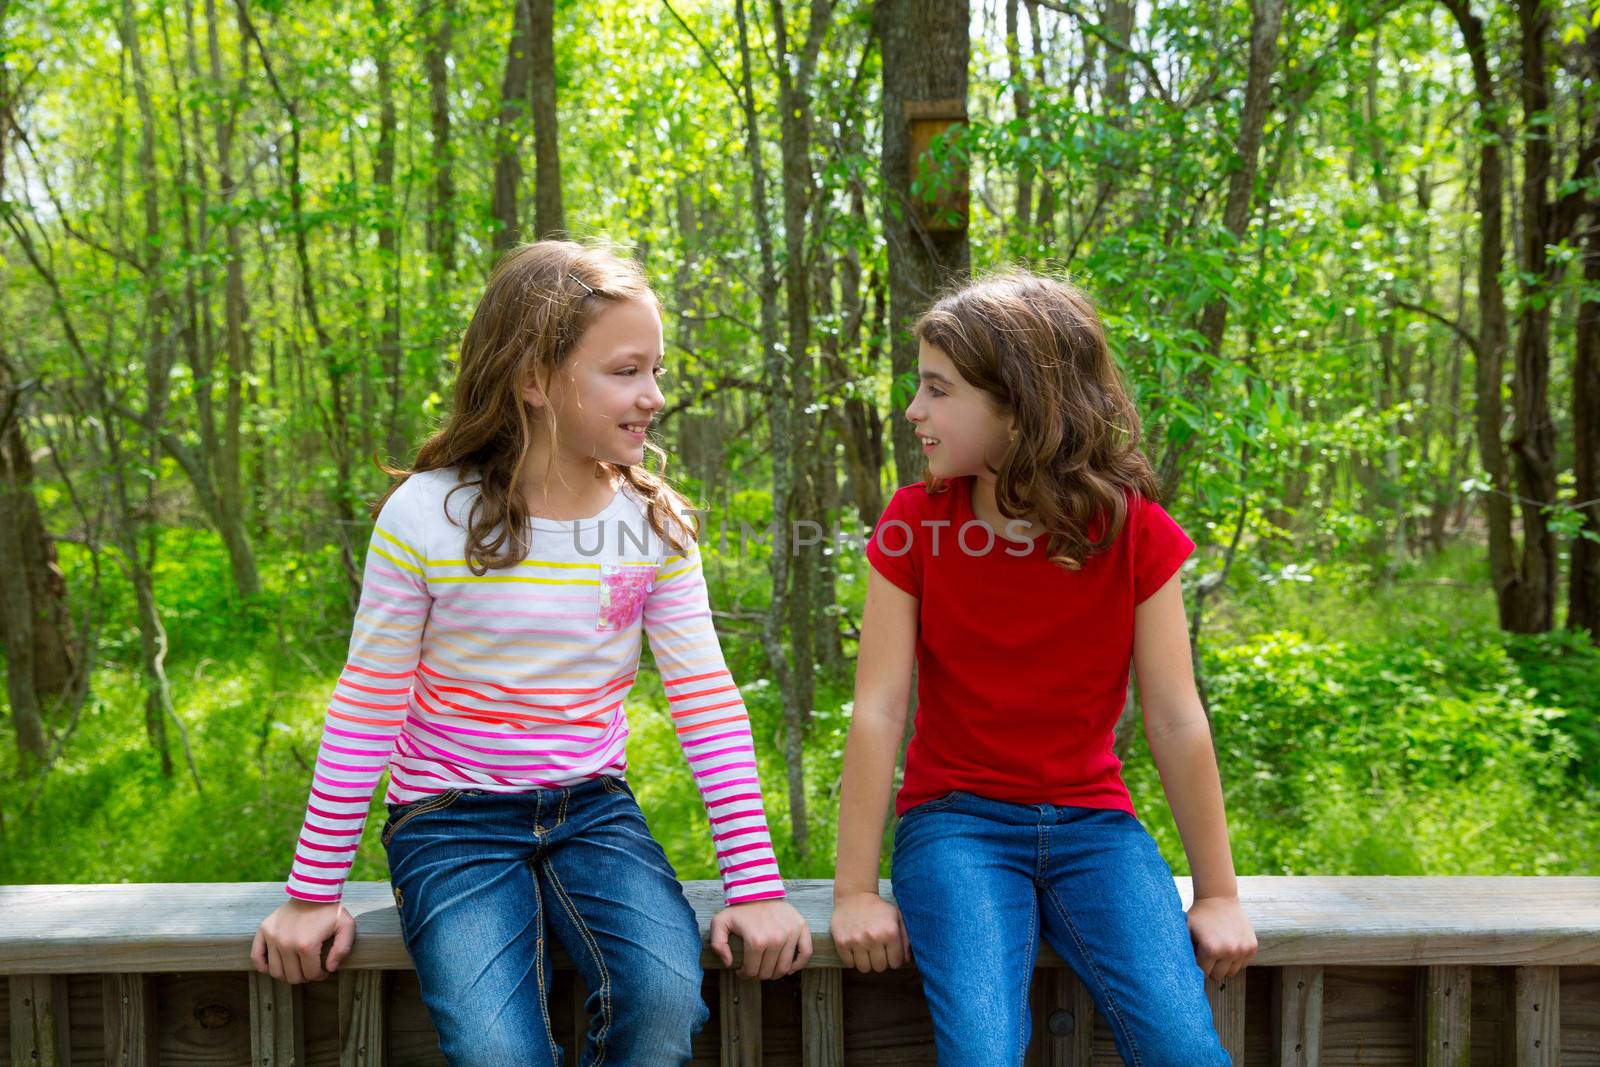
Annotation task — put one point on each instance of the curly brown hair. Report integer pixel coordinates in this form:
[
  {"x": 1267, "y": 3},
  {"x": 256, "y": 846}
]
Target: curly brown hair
[
  {"x": 539, "y": 300},
  {"x": 1036, "y": 346}
]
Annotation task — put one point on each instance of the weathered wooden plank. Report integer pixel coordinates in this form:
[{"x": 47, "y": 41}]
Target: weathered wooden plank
[
  {"x": 363, "y": 1029},
  {"x": 1226, "y": 998},
  {"x": 1445, "y": 1023},
  {"x": 1068, "y": 1020},
  {"x": 822, "y": 1017},
  {"x": 128, "y": 1005},
  {"x": 740, "y": 1017},
  {"x": 277, "y": 1027},
  {"x": 1507, "y": 921},
  {"x": 1298, "y": 1018},
  {"x": 1537, "y": 1020},
  {"x": 38, "y": 1008}
]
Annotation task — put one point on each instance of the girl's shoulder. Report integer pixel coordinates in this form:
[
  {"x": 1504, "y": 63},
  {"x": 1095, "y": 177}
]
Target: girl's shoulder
[
  {"x": 427, "y": 496},
  {"x": 926, "y": 500}
]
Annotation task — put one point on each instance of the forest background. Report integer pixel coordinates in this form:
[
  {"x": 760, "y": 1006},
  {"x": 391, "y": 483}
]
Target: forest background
[{"x": 1347, "y": 254}]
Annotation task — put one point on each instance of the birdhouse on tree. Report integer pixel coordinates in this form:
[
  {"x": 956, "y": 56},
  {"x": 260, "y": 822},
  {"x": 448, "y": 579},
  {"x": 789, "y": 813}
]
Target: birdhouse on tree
[{"x": 938, "y": 192}]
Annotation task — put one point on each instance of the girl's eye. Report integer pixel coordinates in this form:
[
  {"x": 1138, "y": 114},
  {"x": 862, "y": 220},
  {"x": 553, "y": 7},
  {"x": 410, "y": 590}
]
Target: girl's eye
[{"x": 935, "y": 391}]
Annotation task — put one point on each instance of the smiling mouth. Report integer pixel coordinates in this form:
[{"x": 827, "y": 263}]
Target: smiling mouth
[
  {"x": 635, "y": 427},
  {"x": 928, "y": 442}
]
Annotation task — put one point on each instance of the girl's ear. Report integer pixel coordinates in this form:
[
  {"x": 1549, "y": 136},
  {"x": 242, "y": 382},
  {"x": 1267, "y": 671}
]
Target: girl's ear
[{"x": 534, "y": 392}]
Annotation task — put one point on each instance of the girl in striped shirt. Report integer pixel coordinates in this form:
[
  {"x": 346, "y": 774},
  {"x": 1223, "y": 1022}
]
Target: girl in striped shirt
[{"x": 510, "y": 576}]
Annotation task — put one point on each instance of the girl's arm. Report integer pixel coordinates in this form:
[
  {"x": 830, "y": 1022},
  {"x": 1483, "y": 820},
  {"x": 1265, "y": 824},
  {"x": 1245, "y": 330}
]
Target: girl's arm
[
  {"x": 713, "y": 729},
  {"x": 362, "y": 721},
  {"x": 1179, "y": 735},
  {"x": 867, "y": 929}
]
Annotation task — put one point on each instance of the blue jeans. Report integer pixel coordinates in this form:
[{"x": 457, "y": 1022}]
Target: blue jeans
[
  {"x": 974, "y": 878},
  {"x": 485, "y": 881}
]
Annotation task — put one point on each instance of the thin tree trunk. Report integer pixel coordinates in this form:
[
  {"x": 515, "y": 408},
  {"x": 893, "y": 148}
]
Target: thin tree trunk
[
  {"x": 509, "y": 129},
  {"x": 1266, "y": 17},
  {"x": 926, "y": 46},
  {"x": 1583, "y": 584},
  {"x": 391, "y": 351},
  {"x": 547, "y": 215}
]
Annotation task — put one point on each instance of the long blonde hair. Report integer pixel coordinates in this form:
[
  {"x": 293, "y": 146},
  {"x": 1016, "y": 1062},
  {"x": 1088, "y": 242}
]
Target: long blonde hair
[{"x": 539, "y": 301}]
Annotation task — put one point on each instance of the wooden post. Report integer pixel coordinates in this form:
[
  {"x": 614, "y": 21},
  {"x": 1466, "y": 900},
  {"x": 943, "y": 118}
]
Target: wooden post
[
  {"x": 129, "y": 1011},
  {"x": 1446, "y": 1008},
  {"x": 1227, "y": 1013},
  {"x": 1538, "y": 1016},
  {"x": 1298, "y": 1019},
  {"x": 277, "y": 1024},
  {"x": 822, "y": 1017},
  {"x": 740, "y": 1012},
  {"x": 1068, "y": 1020},
  {"x": 363, "y": 1032},
  {"x": 38, "y": 1005}
]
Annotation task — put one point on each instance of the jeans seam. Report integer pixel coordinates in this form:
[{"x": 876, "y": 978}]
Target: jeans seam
[
  {"x": 599, "y": 961},
  {"x": 1088, "y": 959},
  {"x": 442, "y": 801},
  {"x": 538, "y": 963}
]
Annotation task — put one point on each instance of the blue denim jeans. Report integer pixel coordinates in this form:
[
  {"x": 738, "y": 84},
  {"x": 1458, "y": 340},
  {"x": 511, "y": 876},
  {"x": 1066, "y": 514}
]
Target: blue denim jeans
[
  {"x": 485, "y": 881},
  {"x": 976, "y": 879}
]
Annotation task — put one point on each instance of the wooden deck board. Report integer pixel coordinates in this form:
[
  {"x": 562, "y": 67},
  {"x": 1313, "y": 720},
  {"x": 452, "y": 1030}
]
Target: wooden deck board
[{"x": 97, "y": 929}]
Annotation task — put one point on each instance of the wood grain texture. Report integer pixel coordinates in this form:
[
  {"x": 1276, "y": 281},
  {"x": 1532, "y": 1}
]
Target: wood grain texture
[
  {"x": 102, "y": 929},
  {"x": 1537, "y": 1022},
  {"x": 739, "y": 1015},
  {"x": 1299, "y": 1017},
  {"x": 1067, "y": 1032},
  {"x": 1446, "y": 1016},
  {"x": 39, "y": 1028},
  {"x": 129, "y": 1011},
  {"x": 822, "y": 1017},
  {"x": 1226, "y": 998},
  {"x": 363, "y": 1028},
  {"x": 277, "y": 1025}
]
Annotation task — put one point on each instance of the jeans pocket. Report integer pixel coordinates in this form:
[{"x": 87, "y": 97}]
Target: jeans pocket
[
  {"x": 615, "y": 786},
  {"x": 404, "y": 813}
]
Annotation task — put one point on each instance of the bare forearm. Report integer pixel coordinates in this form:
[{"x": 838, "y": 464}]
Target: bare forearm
[
  {"x": 870, "y": 752},
  {"x": 1187, "y": 762}
]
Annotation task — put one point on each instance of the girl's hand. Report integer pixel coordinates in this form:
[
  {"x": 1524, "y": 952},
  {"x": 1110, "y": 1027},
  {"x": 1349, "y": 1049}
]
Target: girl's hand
[
  {"x": 869, "y": 933},
  {"x": 776, "y": 940},
  {"x": 1224, "y": 940},
  {"x": 288, "y": 944}
]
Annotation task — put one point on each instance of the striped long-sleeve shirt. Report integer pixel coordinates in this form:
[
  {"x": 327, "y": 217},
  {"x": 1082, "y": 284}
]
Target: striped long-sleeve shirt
[{"x": 516, "y": 679}]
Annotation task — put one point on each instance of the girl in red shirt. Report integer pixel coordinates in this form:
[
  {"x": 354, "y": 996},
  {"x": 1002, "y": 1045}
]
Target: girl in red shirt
[{"x": 1022, "y": 580}]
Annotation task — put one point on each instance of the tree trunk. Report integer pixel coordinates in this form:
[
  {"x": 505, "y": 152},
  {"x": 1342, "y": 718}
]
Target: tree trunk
[
  {"x": 1583, "y": 584},
  {"x": 1533, "y": 434},
  {"x": 1493, "y": 330},
  {"x": 926, "y": 47},
  {"x": 509, "y": 131},
  {"x": 1266, "y": 17},
  {"x": 547, "y": 218},
  {"x": 390, "y": 350},
  {"x": 441, "y": 232}
]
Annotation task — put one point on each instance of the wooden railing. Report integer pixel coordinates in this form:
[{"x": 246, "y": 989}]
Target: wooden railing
[{"x": 1428, "y": 971}]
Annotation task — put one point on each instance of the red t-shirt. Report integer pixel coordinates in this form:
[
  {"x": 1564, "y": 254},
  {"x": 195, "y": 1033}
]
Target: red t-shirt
[{"x": 1022, "y": 664}]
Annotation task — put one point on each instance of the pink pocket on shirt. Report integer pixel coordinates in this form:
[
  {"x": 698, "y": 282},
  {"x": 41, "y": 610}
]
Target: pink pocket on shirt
[{"x": 623, "y": 590}]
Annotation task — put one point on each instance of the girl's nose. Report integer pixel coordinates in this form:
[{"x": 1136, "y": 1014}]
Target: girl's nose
[{"x": 653, "y": 398}]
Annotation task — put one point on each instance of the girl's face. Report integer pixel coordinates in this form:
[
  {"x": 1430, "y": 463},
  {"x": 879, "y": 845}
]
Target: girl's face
[
  {"x": 604, "y": 397},
  {"x": 963, "y": 431}
]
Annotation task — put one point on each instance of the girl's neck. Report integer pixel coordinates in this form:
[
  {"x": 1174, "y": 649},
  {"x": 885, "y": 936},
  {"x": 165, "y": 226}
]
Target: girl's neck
[
  {"x": 565, "y": 489},
  {"x": 985, "y": 507}
]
